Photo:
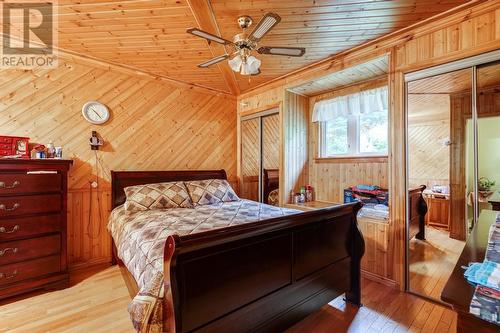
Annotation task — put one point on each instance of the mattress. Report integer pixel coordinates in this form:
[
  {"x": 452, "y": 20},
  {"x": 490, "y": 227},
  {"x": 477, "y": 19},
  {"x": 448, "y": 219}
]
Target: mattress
[
  {"x": 377, "y": 212},
  {"x": 140, "y": 239}
]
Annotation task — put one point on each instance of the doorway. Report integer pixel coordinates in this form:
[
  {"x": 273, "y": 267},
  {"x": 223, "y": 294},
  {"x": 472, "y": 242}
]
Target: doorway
[{"x": 451, "y": 150}]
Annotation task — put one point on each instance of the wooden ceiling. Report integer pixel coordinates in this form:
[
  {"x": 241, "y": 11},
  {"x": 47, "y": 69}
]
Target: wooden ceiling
[
  {"x": 150, "y": 35},
  {"x": 370, "y": 70}
]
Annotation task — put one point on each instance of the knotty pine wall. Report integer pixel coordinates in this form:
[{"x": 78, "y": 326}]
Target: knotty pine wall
[
  {"x": 154, "y": 125},
  {"x": 295, "y": 145},
  {"x": 428, "y": 129},
  {"x": 456, "y": 34}
]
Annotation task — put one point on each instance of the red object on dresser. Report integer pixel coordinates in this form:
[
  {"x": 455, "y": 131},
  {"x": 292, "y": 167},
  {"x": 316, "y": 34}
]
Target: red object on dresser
[
  {"x": 14, "y": 145},
  {"x": 33, "y": 195}
]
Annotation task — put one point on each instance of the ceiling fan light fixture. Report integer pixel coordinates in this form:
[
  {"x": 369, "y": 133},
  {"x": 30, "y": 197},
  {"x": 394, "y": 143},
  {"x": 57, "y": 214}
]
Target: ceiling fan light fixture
[
  {"x": 245, "y": 65},
  {"x": 241, "y": 61},
  {"x": 235, "y": 63}
]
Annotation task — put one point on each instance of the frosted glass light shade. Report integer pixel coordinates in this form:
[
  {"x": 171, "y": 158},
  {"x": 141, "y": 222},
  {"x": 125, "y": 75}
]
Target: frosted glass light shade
[
  {"x": 250, "y": 67},
  {"x": 253, "y": 64},
  {"x": 235, "y": 63}
]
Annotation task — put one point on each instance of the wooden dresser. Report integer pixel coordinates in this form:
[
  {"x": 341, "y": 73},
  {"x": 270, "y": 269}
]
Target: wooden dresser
[
  {"x": 33, "y": 197},
  {"x": 458, "y": 292}
]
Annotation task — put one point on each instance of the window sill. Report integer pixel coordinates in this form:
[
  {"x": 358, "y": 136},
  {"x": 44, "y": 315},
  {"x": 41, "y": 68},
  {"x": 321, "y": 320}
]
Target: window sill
[{"x": 352, "y": 159}]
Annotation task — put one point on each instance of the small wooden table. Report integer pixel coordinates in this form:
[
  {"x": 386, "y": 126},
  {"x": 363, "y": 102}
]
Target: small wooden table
[
  {"x": 312, "y": 205},
  {"x": 495, "y": 201},
  {"x": 438, "y": 214},
  {"x": 457, "y": 291}
]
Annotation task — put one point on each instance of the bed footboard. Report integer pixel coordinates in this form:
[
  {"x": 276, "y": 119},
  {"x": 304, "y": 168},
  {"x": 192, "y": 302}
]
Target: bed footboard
[{"x": 265, "y": 276}]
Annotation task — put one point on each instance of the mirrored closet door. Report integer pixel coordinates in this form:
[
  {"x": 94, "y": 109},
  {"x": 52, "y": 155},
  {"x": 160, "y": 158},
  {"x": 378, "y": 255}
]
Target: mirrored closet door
[
  {"x": 250, "y": 159},
  {"x": 488, "y": 139},
  {"x": 452, "y": 166},
  {"x": 260, "y": 144}
]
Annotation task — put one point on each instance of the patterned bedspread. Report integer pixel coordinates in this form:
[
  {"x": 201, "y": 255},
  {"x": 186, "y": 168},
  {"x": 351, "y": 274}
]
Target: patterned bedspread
[{"x": 140, "y": 239}]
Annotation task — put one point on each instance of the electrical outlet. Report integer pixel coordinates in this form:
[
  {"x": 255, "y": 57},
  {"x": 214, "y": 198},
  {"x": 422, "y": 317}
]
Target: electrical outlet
[{"x": 94, "y": 184}]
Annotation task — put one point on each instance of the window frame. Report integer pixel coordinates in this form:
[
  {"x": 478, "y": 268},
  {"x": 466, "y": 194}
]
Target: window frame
[{"x": 353, "y": 141}]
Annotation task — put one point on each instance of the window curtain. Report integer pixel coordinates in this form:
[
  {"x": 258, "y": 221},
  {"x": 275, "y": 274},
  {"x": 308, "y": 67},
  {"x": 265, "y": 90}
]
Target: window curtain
[{"x": 373, "y": 100}]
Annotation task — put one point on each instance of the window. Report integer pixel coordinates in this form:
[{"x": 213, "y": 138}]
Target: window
[
  {"x": 353, "y": 125},
  {"x": 355, "y": 135}
]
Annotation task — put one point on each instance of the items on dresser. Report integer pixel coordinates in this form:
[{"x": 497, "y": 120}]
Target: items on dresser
[
  {"x": 32, "y": 225},
  {"x": 38, "y": 151},
  {"x": 14, "y": 146},
  {"x": 367, "y": 194},
  {"x": 306, "y": 194}
]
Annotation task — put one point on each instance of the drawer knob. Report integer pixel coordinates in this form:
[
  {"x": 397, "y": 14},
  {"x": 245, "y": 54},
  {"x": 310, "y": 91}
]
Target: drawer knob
[
  {"x": 7, "y": 249},
  {"x": 8, "y": 276},
  {"x": 14, "y": 185},
  {"x": 16, "y": 206},
  {"x": 5, "y": 231}
]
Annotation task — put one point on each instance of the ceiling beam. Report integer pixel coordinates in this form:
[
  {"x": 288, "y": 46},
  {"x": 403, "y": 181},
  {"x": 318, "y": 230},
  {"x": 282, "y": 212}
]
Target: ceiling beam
[{"x": 205, "y": 17}]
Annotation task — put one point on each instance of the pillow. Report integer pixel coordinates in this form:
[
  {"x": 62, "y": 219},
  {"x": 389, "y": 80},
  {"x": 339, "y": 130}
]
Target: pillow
[
  {"x": 157, "y": 196},
  {"x": 210, "y": 191}
]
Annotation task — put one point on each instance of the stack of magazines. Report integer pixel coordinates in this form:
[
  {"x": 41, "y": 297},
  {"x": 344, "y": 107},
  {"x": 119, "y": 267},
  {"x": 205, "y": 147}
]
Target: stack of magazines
[{"x": 486, "y": 276}]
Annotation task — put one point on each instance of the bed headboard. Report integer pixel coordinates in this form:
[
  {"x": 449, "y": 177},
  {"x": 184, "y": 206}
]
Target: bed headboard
[{"x": 122, "y": 179}]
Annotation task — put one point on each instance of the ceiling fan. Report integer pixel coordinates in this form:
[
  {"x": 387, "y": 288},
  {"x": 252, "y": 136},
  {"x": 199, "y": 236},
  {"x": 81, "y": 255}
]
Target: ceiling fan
[{"x": 243, "y": 43}]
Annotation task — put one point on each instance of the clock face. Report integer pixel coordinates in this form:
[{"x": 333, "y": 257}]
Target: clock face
[{"x": 95, "y": 112}]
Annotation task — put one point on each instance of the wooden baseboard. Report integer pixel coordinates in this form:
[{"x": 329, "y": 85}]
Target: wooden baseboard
[
  {"x": 379, "y": 279},
  {"x": 83, "y": 271},
  {"x": 89, "y": 264}
]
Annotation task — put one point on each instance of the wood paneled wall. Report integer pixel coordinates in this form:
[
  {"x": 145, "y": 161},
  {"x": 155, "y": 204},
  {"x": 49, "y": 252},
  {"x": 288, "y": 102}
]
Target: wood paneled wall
[
  {"x": 154, "y": 125},
  {"x": 329, "y": 179},
  {"x": 453, "y": 35},
  {"x": 428, "y": 131},
  {"x": 295, "y": 147},
  {"x": 429, "y": 156},
  {"x": 375, "y": 264}
]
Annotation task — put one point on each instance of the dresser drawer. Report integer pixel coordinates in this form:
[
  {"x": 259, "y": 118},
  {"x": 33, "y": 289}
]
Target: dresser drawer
[
  {"x": 30, "y": 204},
  {"x": 29, "y": 269},
  {"x": 16, "y": 251},
  {"x": 21, "y": 183},
  {"x": 23, "y": 227}
]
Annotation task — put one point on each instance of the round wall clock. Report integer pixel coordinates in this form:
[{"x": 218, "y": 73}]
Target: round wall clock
[{"x": 95, "y": 112}]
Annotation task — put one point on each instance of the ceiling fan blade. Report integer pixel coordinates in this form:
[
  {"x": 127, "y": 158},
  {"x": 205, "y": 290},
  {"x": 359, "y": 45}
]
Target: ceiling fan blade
[
  {"x": 264, "y": 26},
  {"x": 208, "y": 36},
  {"x": 284, "y": 51},
  {"x": 213, "y": 61}
]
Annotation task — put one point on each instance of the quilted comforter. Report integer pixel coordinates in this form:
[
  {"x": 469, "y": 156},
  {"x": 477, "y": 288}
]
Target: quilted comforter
[{"x": 140, "y": 240}]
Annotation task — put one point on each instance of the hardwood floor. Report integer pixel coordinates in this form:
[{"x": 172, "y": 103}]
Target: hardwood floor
[
  {"x": 98, "y": 302},
  {"x": 432, "y": 261}
]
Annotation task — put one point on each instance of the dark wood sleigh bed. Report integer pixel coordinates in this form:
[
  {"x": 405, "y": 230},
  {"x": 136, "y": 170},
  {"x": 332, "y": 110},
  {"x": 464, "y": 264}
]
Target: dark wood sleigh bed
[
  {"x": 417, "y": 210},
  {"x": 259, "y": 277}
]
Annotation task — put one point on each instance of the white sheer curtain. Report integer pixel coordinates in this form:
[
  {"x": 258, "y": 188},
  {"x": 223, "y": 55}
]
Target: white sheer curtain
[{"x": 367, "y": 101}]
